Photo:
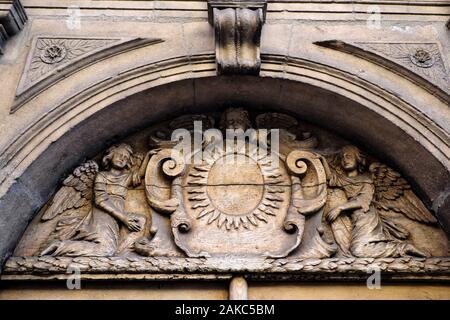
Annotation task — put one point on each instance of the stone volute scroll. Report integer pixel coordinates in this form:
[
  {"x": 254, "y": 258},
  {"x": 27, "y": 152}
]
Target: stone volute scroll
[{"x": 237, "y": 26}]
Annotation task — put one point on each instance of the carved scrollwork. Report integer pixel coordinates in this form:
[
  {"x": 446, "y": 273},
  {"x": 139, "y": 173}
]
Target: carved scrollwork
[
  {"x": 313, "y": 194},
  {"x": 308, "y": 193},
  {"x": 163, "y": 168}
]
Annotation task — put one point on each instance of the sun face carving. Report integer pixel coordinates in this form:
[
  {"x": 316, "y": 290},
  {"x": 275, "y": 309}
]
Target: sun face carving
[{"x": 237, "y": 190}]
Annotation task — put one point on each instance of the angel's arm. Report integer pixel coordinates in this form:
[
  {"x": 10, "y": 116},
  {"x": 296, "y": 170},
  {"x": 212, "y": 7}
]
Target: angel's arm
[
  {"x": 362, "y": 200},
  {"x": 352, "y": 205},
  {"x": 333, "y": 178},
  {"x": 103, "y": 201},
  {"x": 138, "y": 174},
  {"x": 144, "y": 163}
]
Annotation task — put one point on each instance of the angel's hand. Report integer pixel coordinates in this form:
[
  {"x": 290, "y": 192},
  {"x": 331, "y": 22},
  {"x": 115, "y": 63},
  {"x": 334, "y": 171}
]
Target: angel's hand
[
  {"x": 333, "y": 214},
  {"x": 134, "y": 223},
  {"x": 153, "y": 152},
  {"x": 365, "y": 206}
]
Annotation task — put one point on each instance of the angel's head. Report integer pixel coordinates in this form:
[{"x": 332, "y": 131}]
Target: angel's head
[
  {"x": 235, "y": 118},
  {"x": 118, "y": 157},
  {"x": 352, "y": 159}
]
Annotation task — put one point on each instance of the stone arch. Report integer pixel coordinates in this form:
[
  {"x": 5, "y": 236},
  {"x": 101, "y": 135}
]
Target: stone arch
[{"x": 80, "y": 125}]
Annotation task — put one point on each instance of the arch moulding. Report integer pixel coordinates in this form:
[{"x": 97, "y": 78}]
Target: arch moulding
[{"x": 82, "y": 114}]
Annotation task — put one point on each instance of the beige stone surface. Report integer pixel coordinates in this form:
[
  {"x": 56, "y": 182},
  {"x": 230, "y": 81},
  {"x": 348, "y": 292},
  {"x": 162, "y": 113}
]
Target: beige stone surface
[
  {"x": 115, "y": 291},
  {"x": 200, "y": 291},
  {"x": 74, "y": 118},
  {"x": 320, "y": 291}
]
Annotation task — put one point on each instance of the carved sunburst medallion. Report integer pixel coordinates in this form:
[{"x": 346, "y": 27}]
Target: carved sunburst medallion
[{"x": 237, "y": 190}]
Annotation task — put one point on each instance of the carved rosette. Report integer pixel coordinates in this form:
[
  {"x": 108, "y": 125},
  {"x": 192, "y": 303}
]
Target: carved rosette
[
  {"x": 52, "y": 59},
  {"x": 421, "y": 62},
  {"x": 49, "y": 53}
]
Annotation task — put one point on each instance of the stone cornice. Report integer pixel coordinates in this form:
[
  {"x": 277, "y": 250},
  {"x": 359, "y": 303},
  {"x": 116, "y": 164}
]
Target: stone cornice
[
  {"x": 276, "y": 9},
  {"x": 180, "y": 268},
  {"x": 12, "y": 20}
]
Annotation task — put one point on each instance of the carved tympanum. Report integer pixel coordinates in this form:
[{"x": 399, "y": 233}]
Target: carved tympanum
[{"x": 201, "y": 192}]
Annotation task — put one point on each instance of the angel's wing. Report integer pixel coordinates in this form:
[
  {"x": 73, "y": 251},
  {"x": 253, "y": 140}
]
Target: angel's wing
[
  {"x": 393, "y": 193},
  {"x": 76, "y": 192}
]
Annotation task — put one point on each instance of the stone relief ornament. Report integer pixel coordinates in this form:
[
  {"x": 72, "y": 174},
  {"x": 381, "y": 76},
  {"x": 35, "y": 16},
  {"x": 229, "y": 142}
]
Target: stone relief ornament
[
  {"x": 238, "y": 194},
  {"x": 423, "y": 58},
  {"x": 52, "y": 59},
  {"x": 358, "y": 211},
  {"x": 237, "y": 26},
  {"x": 421, "y": 62},
  {"x": 210, "y": 194},
  {"x": 49, "y": 53},
  {"x": 103, "y": 228}
]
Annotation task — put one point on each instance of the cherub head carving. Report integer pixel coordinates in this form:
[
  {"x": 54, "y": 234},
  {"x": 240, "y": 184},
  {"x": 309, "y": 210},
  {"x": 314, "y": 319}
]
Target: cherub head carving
[
  {"x": 352, "y": 159},
  {"x": 118, "y": 157},
  {"x": 235, "y": 118}
]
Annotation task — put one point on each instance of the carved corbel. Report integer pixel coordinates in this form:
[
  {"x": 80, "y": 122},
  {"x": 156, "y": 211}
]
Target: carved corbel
[
  {"x": 238, "y": 26},
  {"x": 12, "y": 20}
]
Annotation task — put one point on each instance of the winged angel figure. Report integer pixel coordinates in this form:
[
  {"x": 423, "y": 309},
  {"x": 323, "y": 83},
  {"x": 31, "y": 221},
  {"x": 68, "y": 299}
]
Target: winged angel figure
[
  {"x": 91, "y": 207},
  {"x": 360, "y": 205}
]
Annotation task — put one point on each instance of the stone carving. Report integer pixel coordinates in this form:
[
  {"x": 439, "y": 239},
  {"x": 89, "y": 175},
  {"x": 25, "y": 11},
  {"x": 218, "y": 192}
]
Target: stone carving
[
  {"x": 273, "y": 202},
  {"x": 54, "y": 58},
  {"x": 104, "y": 228},
  {"x": 358, "y": 214},
  {"x": 12, "y": 19},
  {"x": 50, "y": 53},
  {"x": 422, "y": 58},
  {"x": 238, "y": 193},
  {"x": 53, "y": 54},
  {"x": 416, "y": 61},
  {"x": 331, "y": 268},
  {"x": 237, "y": 26}
]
